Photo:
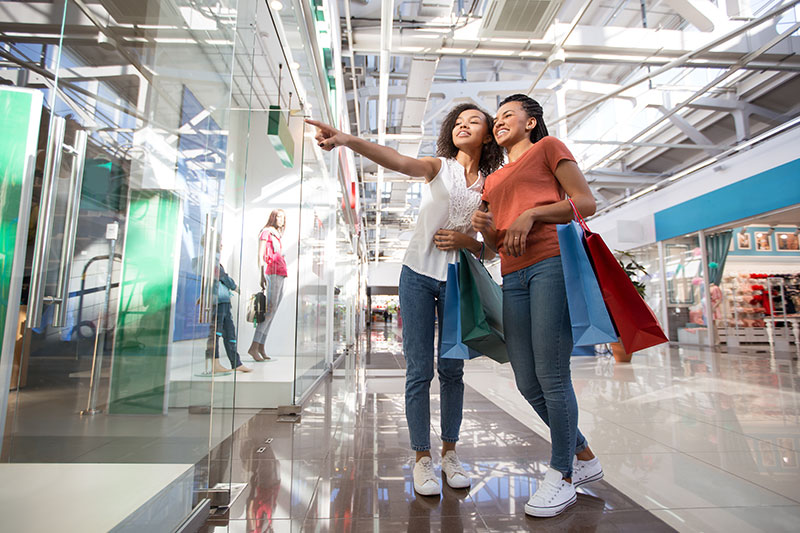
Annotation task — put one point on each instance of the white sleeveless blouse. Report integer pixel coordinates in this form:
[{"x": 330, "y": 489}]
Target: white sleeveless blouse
[{"x": 447, "y": 203}]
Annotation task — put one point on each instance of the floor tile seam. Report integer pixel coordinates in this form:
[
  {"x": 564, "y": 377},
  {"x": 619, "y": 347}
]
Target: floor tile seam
[
  {"x": 749, "y": 436},
  {"x": 724, "y": 507},
  {"x": 679, "y": 450},
  {"x": 671, "y": 449},
  {"x": 742, "y": 478}
]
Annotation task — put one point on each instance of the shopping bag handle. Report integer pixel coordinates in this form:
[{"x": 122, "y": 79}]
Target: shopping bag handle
[{"x": 578, "y": 216}]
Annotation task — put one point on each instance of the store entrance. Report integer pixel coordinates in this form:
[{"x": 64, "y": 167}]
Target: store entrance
[
  {"x": 113, "y": 177},
  {"x": 753, "y": 293}
]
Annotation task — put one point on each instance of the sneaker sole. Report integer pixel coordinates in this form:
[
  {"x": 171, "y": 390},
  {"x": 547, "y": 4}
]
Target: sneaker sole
[
  {"x": 433, "y": 491},
  {"x": 548, "y": 512},
  {"x": 597, "y": 477}
]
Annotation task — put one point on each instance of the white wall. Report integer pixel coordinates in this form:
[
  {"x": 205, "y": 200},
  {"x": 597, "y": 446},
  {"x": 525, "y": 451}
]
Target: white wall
[
  {"x": 384, "y": 274},
  {"x": 633, "y": 225}
]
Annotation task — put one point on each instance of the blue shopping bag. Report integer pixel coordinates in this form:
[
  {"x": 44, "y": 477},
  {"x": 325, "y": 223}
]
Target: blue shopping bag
[
  {"x": 591, "y": 323},
  {"x": 452, "y": 347}
]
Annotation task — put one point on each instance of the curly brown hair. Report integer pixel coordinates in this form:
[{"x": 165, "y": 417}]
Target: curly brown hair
[{"x": 491, "y": 153}]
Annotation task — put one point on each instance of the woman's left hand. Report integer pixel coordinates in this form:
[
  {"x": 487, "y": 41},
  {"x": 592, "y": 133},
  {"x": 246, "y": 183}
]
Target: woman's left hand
[
  {"x": 517, "y": 235},
  {"x": 447, "y": 239}
]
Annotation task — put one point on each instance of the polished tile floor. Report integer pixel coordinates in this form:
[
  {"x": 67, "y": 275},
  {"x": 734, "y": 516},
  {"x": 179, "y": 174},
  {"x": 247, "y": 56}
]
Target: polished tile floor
[
  {"x": 347, "y": 466},
  {"x": 706, "y": 441}
]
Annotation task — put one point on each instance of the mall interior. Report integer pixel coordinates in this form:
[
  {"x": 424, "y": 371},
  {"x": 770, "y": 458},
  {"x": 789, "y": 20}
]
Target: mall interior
[{"x": 147, "y": 146}]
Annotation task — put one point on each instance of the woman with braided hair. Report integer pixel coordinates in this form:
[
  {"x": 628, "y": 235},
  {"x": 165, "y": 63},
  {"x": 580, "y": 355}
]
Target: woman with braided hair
[{"x": 525, "y": 200}]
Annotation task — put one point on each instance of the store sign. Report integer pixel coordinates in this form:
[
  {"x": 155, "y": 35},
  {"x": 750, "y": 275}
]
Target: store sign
[
  {"x": 280, "y": 136},
  {"x": 767, "y": 191}
]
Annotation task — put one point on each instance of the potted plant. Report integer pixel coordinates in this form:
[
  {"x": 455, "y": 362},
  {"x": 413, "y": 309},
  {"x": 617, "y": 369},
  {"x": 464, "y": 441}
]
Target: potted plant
[{"x": 633, "y": 269}]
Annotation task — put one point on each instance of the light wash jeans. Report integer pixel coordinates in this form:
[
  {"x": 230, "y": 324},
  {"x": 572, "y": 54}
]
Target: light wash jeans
[
  {"x": 539, "y": 342},
  {"x": 274, "y": 296},
  {"x": 421, "y": 301}
]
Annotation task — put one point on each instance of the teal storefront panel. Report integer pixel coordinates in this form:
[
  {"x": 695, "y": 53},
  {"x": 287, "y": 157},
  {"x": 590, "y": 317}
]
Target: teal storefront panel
[{"x": 770, "y": 190}]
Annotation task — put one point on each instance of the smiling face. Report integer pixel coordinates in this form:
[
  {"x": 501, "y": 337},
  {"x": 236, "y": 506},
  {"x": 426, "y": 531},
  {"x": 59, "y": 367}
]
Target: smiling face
[
  {"x": 470, "y": 130},
  {"x": 512, "y": 124}
]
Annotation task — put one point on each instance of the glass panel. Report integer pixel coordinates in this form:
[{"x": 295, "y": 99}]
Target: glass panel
[
  {"x": 647, "y": 256},
  {"x": 20, "y": 112},
  {"x": 685, "y": 290},
  {"x": 137, "y": 107}
]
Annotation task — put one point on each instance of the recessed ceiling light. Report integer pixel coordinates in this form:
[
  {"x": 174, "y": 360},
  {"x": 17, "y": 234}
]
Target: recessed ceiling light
[
  {"x": 277, "y": 5},
  {"x": 295, "y": 65}
]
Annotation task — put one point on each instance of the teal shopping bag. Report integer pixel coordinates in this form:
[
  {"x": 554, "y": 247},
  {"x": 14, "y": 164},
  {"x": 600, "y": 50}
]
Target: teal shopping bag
[
  {"x": 591, "y": 323},
  {"x": 452, "y": 347},
  {"x": 481, "y": 309}
]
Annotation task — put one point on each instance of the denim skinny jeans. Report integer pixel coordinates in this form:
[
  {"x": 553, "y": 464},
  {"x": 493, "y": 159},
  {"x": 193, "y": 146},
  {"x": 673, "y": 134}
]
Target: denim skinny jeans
[
  {"x": 421, "y": 301},
  {"x": 539, "y": 342}
]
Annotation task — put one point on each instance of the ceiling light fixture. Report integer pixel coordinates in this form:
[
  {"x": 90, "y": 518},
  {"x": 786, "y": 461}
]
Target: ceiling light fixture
[{"x": 277, "y": 5}]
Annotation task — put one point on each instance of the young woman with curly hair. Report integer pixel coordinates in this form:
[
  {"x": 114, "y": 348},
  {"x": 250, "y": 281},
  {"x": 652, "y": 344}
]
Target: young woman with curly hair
[{"x": 466, "y": 154}]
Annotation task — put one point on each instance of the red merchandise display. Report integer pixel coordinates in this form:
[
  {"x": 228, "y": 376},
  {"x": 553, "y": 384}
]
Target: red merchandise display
[{"x": 636, "y": 323}]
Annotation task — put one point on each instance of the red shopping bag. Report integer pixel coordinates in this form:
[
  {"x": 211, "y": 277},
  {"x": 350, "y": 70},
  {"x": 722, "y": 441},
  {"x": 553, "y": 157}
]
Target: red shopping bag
[{"x": 636, "y": 323}]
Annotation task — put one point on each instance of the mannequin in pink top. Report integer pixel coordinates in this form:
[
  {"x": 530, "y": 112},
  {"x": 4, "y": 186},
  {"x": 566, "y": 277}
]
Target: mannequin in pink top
[{"x": 272, "y": 268}]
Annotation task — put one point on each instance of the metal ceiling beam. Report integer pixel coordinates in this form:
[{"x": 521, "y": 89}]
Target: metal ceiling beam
[
  {"x": 684, "y": 59},
  {"x": 387, "y": 18},
  {"x": 587, "y": 43},
  {"x": 713, "y": 83}
]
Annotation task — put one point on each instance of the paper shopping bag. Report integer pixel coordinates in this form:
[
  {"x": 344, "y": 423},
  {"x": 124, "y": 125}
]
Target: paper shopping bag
[
  {"x": 452, "y": 347},
  {"x": 591, "y": 323},
  {"x": 481, "y": 309}
]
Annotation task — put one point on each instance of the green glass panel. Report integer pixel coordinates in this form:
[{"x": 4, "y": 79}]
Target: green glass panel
[
  {"x": 139, "y": 369},
  {"x": 19, "y": 115}
]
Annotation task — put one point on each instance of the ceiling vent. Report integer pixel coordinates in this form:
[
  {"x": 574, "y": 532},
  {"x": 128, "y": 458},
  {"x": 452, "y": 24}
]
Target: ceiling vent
[{"x": 518, "y": 19}]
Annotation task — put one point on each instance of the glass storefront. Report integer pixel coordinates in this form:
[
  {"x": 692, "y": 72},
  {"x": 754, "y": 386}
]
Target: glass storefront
[{"x": 152, "y": 142}]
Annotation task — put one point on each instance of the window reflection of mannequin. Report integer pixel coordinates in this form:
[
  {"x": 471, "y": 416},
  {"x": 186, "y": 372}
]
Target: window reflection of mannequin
[
  {"x": 272, "y": 268},
  {"x": 264, "y": 483}
]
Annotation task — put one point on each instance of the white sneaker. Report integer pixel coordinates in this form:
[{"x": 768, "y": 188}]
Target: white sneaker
[
  {"x": 586, "y": 471},
  {"x": 425, "y": 481},
  {"x": 454, "y": 472},
  {"x": 552, "y": 496}
]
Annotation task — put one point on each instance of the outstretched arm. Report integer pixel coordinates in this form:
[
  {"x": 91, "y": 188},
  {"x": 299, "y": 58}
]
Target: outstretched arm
[{"x": 329, "y": 138}]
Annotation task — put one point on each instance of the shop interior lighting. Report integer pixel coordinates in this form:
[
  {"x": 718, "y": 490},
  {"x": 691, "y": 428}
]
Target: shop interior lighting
[{"x": 277, "y": 5}]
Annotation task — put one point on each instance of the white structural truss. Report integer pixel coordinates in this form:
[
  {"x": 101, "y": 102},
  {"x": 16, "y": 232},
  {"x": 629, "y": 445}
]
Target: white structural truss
[{"x": 641, "y": 92}]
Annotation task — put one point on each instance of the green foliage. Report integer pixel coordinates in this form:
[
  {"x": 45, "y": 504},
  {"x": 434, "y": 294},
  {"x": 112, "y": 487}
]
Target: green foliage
[{"x": 633, "y": 269}]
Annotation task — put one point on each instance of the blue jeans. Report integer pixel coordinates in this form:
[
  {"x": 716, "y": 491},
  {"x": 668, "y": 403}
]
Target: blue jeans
[
  {"x": 225, "y": 329},
  {"x": 421, "y": 301},
  {"x": 539, "y": 342}
]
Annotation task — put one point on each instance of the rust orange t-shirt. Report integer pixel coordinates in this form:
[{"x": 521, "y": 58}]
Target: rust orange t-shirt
[{"x": 528, "y": 182}]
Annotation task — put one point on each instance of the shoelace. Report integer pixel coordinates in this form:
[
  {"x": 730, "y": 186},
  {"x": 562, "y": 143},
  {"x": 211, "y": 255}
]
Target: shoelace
[
  {"x": 455, "y": 465},
  {"x": 548, "y": 491},
  {"x": 427, "y": 469}
]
